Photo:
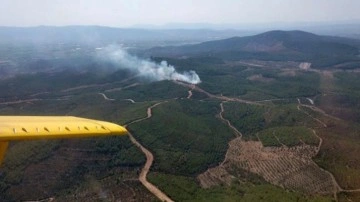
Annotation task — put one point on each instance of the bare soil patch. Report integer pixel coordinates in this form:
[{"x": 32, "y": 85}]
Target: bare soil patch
[
  {"x": 288, "y": 167},
  {"x": 259, "y": 77}
]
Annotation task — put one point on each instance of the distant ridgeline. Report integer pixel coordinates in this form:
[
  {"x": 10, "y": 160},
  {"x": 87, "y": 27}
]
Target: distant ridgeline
[{"x": 321, "y": 51}]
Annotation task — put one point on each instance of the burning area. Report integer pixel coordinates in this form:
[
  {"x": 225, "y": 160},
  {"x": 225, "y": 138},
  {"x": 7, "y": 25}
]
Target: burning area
[{"x": 146, "y": 69}]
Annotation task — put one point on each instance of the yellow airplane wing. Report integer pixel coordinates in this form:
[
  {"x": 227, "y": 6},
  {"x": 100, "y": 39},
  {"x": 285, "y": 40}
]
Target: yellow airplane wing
[{"x": 45, "y": 127}]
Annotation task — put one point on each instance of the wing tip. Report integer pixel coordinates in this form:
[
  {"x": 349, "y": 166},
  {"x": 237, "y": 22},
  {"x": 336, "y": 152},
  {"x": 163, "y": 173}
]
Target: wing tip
[{"x": 113, "y": 128}]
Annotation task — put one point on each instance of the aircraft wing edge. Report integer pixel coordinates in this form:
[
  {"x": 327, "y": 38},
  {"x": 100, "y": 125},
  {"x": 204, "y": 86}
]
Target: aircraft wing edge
[{"x": 52, "y": 127}]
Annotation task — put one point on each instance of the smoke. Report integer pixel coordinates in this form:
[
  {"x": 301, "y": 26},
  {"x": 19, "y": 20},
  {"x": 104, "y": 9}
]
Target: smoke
[{"x": 146, "y": 68}]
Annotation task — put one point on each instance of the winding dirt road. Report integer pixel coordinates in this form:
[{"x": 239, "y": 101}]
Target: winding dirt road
[
  {"x": 149, "y": 160},
  {"x": 190, "y": 94},
  {"x": 337, "y": 189},
  {"x": 221, "y": 97},
  {"x": 309, "y": 115},
  {"x": 316, "y": 109},
  {"x": 236, "y": 132},
  {"x": 105, "y": 97},
  {"x": 130, "y": 100},
  {"x": 149, "y": 156},
  {"x": 19, "y": 101}
]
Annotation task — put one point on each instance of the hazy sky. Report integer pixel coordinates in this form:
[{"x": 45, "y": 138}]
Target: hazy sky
[{"x": 123, "y": 13}]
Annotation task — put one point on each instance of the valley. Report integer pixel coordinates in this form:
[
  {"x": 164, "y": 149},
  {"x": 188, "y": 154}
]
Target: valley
[{"x": 251, "y": 130}]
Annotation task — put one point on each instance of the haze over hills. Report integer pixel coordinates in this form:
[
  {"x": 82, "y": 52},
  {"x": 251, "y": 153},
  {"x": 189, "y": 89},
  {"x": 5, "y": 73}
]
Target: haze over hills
[
  {"x": 169, "y": 34},
  {"x": 257, "y": 127},
  {"x": 97, "y": 35},
  {"x": 350, "y": 28},
  {"x": 279, "y": 45},
  {"x": 224, "y": 100}
]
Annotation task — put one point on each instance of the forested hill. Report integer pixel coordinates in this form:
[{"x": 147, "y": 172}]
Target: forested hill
[
  {"x": 100, "y": 35},
  {"x": 273, "y": 45}
]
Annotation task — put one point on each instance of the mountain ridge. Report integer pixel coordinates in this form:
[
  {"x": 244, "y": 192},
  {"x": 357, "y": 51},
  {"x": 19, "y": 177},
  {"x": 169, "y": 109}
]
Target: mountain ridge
[
  {"x": 101, "y": 34},
  {"x": 272, "y": 45},
  {"x": 266, "y": 38}
]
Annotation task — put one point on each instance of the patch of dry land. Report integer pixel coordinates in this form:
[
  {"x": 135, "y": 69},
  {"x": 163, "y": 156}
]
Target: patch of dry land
[
  {"x": 288, "y": 167},
  {"x": 259, "y": 77}
]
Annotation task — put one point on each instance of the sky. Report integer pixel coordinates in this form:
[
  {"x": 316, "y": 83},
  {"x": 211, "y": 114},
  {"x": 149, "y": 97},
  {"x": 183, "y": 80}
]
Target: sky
[{"x": 127, "y": 13}]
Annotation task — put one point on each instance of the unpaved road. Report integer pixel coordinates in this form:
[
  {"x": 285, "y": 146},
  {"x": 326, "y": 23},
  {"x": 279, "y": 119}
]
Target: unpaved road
[
  {"x": 130, "y": 100},
  {"x": 221, "y": 97},
  {"x": 316, "y": 119},
  {"x": 149, "y": 156},
  {"x": 316, "y": 109},
  {"x": 142, "y": 177},
  {"x": 236, "y": 132},
  {"x": 190, "y": 94},
  {"x": 254, "y": 158},
  {"x": 320, "y": 141},
  {"x": 336, "y": 186},
  {"x": 83, "y": 87},
  {"x": 105, "y": 97},
  {"x": 19, "y": 101},
  {"x": 149, "y": 160},
  {"x": 190, "y": 91},
  {"x": 110, "y": 99}
]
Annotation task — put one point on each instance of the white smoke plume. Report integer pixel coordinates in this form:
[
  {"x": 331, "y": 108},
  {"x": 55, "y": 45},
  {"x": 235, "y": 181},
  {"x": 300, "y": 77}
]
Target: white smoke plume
[{"x": 146, "y": 68}]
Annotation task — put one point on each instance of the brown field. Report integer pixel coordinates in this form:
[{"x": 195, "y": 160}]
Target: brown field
[
  {"x": 340, "y": 151},
  {"x": 290, "y": 168}
]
